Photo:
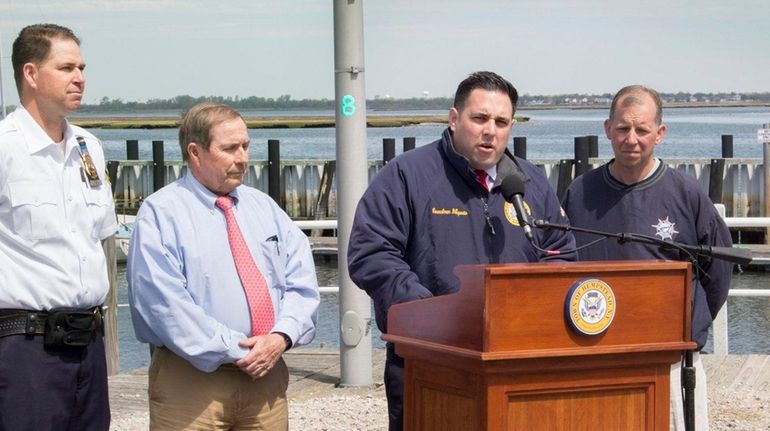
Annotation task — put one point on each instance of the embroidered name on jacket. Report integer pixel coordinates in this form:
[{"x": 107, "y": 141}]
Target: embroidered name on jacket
[{"x": 453, "y": 211}]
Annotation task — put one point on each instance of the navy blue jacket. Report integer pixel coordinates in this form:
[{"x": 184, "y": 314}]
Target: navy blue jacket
[
  {"x": 670, "y": 205},
  {"x": 425, "y": 213}
]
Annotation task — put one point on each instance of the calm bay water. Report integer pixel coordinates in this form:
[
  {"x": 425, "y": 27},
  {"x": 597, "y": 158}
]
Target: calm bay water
[{"x": 692, "y": 133}]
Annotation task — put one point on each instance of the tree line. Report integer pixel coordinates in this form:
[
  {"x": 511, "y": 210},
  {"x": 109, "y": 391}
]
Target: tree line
[{"x": 285, "y": 102}]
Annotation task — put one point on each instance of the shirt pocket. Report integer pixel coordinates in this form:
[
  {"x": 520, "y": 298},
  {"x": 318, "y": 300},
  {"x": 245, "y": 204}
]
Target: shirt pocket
[
  {"x": 98, "y": 203},
  {"x": 36, "y": 211},
  {"x": 275, "y": 260}
]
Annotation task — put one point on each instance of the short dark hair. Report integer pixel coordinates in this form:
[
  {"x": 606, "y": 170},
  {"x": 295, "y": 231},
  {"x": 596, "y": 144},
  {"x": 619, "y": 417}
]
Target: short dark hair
[
  {"x": 632, "y": 91},
  {"x": 33, "y": 45},
  {"x": 197, "y": 122},
  {"x": 489, "y": 81}
]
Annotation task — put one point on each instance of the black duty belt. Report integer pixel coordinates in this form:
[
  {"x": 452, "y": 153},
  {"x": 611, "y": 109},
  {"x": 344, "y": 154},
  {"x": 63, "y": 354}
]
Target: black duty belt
[{"x": 24, "y": 322}]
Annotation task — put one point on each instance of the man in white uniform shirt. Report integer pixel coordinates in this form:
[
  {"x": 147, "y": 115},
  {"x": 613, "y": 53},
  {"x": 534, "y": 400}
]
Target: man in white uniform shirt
[{"x": 55, "y": 208}]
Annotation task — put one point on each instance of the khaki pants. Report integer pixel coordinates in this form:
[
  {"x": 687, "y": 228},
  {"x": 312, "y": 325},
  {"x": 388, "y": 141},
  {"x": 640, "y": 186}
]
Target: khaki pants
[
  {"x": 701, "y": 396},
  {"x": 185, "y": 398}
]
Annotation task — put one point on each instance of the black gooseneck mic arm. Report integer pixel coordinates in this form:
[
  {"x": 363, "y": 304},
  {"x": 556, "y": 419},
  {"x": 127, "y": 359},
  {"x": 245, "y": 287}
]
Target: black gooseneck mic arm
[{"x": 739, "y": 256}]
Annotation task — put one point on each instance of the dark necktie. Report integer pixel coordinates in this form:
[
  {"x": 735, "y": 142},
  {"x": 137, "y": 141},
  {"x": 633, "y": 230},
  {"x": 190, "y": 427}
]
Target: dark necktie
[{"x": 481, "y": 177}]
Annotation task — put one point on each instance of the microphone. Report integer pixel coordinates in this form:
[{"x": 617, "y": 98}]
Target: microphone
[{"x": 512, "y": 188}]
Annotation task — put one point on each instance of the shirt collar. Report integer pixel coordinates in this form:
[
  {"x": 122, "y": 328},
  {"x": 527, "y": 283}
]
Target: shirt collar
[
  {"x": 206, "y": 196},
  {"x": 34, "y": 135},
  {"x": 492, "y": 173}
]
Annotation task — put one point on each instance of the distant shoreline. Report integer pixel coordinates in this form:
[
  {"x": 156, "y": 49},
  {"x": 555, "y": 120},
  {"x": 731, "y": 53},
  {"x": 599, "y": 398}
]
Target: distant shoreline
[
  {"x": 104, "y": 121},
  {"x": 672, "y": 105},
  {"x": 299, "y": 122}
]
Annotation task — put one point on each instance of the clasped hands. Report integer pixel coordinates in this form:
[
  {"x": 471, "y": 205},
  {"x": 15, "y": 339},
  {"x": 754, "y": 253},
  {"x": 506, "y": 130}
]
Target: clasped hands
[{"x": 264, "y": 352}]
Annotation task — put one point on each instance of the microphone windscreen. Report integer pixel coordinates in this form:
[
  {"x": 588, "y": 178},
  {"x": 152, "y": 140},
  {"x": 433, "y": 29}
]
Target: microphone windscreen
[{"x": 512, "y": 185}]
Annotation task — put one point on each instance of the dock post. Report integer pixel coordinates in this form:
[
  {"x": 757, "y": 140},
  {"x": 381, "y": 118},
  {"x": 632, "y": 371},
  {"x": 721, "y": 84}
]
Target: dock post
[
  {"x": 520, "y": 147},
  {"x": 727, "y": 146},
  {"x": 716, "y": 180},
  {"x": 565, "y": 177},
  {"x": 593, "y": 146},
  {"x": 132, "y": 149},
  {"x": 112, "y": 173},
  {"x": 409, "y": 143},
  {"x": 321, "y": 207},
  {"x": 718, "y": 172},
  {"x": 110, "y": 318},
  {"x": 274, "y": 170},
  {"x": 388, "y": 150},
  {"x": 352, "y": 170},
  {"x": 581, "y": 155},
  {"x": 158, "y": 166}
]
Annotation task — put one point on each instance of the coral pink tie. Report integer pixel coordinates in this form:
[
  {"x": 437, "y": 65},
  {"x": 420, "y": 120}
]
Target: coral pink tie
[
  {"x": 254, "y": 285},
  {"x": 481, "y": 177}
]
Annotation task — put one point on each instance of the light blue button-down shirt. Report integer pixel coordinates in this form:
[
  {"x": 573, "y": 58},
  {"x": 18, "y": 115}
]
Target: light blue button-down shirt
[{"x": 184, "y": 290}]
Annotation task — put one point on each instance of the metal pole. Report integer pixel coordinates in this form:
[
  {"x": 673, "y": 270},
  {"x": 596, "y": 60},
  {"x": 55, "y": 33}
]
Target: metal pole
[
  {"x": 766, "y": 168},
  {"x": 688, "y": 384},
  {"x": 350, "y": 98}
]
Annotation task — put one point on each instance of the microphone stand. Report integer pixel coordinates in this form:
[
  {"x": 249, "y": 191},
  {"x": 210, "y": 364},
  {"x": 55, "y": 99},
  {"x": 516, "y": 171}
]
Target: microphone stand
[{"x": 739, "y": 256}]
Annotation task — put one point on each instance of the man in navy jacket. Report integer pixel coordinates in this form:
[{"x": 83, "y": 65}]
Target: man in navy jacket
[
  {"x": 636, "y": 192},
  {"x": 440, "y": 205}
]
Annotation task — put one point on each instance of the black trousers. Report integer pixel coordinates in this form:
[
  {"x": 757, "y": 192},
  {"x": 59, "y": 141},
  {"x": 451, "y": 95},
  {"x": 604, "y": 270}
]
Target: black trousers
[
  {"x": 43, "y": 388},
  {"x": 394, "y": 388}
]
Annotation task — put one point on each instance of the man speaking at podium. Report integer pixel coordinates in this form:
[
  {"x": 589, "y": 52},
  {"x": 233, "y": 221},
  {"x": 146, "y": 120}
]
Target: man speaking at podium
[
  {"x": 636, "y": 192},
  {"x": 441, "y": 205}
]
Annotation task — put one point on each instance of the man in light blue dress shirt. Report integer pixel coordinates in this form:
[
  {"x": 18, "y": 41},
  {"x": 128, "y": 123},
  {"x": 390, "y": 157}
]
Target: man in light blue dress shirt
[{"x": 207, "y": 371}]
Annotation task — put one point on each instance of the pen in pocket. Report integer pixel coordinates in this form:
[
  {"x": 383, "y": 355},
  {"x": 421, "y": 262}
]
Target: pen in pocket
[{"x": 275, "y": 238}]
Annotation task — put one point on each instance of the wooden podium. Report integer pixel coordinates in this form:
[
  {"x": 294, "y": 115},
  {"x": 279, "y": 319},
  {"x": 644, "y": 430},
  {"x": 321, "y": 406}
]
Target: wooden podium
[{"x": 500, "y": 354}]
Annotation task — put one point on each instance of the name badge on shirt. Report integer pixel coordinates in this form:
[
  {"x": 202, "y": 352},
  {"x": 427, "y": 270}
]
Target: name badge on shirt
[{"x": 88, "y": 164}]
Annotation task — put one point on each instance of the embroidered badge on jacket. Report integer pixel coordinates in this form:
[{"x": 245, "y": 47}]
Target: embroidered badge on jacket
[{"x": 665, "y": 229}]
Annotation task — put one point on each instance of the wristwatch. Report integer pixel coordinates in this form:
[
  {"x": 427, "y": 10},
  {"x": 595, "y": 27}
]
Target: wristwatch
[{"x": 286, "y": 339}]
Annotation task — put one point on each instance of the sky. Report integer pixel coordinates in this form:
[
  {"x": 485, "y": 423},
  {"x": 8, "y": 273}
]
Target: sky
[{"x": 137, "y": 50}]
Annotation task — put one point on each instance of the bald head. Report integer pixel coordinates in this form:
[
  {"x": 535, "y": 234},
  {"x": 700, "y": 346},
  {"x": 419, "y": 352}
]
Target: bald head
[{"x": 635, "y": 95}]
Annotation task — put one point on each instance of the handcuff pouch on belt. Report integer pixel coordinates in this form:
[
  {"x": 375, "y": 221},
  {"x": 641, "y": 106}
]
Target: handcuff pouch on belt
[{"x": 71, "y": 327}]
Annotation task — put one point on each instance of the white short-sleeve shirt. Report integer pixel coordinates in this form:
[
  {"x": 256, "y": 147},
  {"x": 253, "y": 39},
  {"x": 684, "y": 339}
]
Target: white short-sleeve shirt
[{"x": 51, "y": 220}]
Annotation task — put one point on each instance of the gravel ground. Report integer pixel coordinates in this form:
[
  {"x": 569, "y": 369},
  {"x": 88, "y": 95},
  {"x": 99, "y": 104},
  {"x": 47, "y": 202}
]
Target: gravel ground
[
  {"x": 739, "y": 411},
  {"x": 340, "y": 412},
  {"x": 729, "y": 411},
  {"x": 333, "y": 412}
]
